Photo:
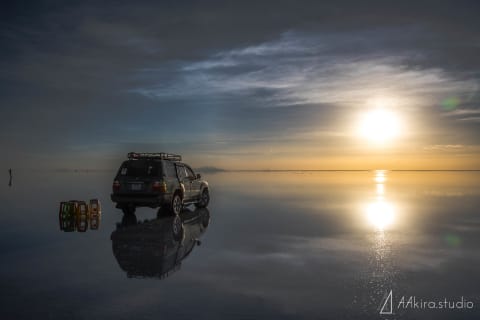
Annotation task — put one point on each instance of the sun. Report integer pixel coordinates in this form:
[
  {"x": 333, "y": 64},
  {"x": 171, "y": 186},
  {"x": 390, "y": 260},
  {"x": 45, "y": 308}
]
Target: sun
[{"x": 379, "y": 126}]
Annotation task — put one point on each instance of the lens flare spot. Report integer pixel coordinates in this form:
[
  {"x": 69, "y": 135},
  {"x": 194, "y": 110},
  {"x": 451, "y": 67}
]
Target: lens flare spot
[
  {"x": 450, "y": 103},
  {"x": 452, "y": 240}
]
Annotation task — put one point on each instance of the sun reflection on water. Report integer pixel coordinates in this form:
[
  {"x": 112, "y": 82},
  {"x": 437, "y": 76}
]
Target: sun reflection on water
[
  {"x": 380, "y": 189},
  {"x": 380, "y": 213},
  {"x": 380, "y": 176}
]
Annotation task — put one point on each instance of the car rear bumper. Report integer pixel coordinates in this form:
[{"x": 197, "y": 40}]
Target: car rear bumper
[{"x": 141, "y": 199}]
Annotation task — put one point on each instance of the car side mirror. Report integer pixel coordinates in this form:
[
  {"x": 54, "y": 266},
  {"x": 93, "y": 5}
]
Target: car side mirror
[{"x": 199, "y": 176}]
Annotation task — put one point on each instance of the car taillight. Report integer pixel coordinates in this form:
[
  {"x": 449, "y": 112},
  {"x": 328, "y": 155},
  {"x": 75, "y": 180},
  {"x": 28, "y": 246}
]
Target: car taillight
[
  {"x": 159, "y": 186},
  {"x": 116, "y": 185}
]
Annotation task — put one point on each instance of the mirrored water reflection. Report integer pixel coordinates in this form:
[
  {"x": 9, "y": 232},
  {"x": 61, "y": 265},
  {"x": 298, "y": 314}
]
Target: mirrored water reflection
[
  {"x": 155, "y": 248},
  {"x": 10, "y": 177},
  {"x": 380, "y": 212},
  {"x": 79, "y": 216},
  {"x": 280, "y": 245},
  {"x": 379, "y": 274}
]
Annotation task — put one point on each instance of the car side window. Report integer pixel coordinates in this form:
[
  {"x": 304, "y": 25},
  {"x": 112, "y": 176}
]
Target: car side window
[
  {"x": 181, "y": 172},
  {"x": 190, "y": 173},
  {"x": 170, "y": 169}
]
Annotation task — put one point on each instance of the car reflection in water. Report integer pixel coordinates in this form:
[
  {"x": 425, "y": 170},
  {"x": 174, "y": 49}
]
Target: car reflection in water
[{"x": 156, "y": 248}]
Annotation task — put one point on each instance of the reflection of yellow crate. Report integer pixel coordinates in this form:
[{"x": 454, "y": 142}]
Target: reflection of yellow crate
[
  {"x": 75, "y": 215},
  {"x": 67, "y": 216},
  {"x": 81, "y": 214},
  {"x": 95, "y": 211}
]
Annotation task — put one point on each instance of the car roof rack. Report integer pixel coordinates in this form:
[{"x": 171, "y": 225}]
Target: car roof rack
[{"x": 155, "y": 155}]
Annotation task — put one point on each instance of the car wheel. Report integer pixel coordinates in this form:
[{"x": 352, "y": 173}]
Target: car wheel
[
  {"x": 177, "y": 204},
  {"x": 177, "y": 228},
  {"x": 204, "y": 199},
  {"x": 205, "y": 218}
]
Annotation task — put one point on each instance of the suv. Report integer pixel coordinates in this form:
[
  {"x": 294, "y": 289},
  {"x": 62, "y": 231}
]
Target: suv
[{"x": 158, "y": 180}]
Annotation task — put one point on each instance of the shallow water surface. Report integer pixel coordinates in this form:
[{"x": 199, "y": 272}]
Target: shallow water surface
[{"x": 271, "y": 245}]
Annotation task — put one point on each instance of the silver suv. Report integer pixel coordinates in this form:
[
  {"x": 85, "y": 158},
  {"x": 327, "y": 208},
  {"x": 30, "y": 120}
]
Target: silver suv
[{"x": 158, "y": 180}]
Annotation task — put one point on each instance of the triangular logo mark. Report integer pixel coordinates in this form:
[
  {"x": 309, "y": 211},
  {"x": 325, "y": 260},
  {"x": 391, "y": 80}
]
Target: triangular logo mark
[{"x": 387, "y": 307}]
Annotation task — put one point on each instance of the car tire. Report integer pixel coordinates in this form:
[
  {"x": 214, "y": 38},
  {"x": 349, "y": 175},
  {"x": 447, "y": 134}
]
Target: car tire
[
  {"x": 177, "y": 204},
  {"x": 205, "y": 218},
  {"x": 204, "y": 199},
  {"x": 178, "y": 231}
]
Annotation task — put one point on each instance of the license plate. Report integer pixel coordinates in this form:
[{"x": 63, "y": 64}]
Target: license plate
[{"x": 136, "y": 186}]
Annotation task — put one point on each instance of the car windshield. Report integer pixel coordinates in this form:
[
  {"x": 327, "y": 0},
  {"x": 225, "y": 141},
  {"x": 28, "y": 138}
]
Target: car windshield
[{"x": 140, "y": 168}]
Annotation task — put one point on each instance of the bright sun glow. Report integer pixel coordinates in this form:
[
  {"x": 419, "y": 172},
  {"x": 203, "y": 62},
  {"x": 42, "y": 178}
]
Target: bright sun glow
[
  {"x": 380, "y": 214},
  {"x": 379, "y": 126}
]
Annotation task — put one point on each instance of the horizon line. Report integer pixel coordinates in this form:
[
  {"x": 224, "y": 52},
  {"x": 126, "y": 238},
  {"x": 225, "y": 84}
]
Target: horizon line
[{"x": 219, "y": 170}]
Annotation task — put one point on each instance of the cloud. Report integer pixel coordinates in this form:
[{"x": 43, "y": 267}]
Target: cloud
[
  {"x": 301, "y": 68},
  {"x": 454, "y": 149},
  {"x": 471, "y": 119},
  {"x": 445, "y": 147},
  {"x": 457, "y": 113}
]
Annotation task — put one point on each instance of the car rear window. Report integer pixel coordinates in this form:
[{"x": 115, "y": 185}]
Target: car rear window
[{"x": 140, "y": 168}]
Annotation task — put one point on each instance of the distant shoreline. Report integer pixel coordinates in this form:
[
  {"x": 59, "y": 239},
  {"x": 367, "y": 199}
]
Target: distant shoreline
[
  {"x": 274, "y": 170},
  {"x": 201, "y": 170}
]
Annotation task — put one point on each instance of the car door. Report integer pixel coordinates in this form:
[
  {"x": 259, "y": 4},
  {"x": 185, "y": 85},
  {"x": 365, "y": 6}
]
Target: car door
[
  {"x": 194, "y": 183},
  {"x": 182, "y": 177}
]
